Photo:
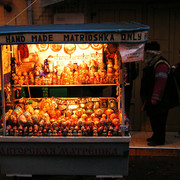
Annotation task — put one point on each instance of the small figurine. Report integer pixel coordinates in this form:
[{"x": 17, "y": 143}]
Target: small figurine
[
  {"x": 109, "y": 133},
  {"x": 93, "y": 67},
  {"x": 54, "y": 79},
  {"x": 79, "y": 133},
  {"x": 75, "y": 133},
  {"x": 7, "y": 132},
  {"x": 26, "y": 78},
  {"x": 111, "y": 128},
  {"x": 60, "y": 133},
  {"x": 16, "y": 132},
  {"x": 30, "y": 132},
  {"x": 100, "y": 130},
  {"x": 38, "y": 70},
  {"x": 65, "y": 132},
  {"x": 20, "y": 130},
  {"x": 46, "y": 66},
  {"x": 95, "y": 133},
  {"x": 115, "y": 131},
  {"x": 89, "y": 131},
  {"x": 40, "y": 133},
  {"x": 120, "y": 133},
  {"x": 84, "y": 132},
  {"x": 8, "y": 92},
  {"x": 45, "y": 132},
  {"x": 11, "y": 133},
  {"x": 49, "y": 132},
  {"x": 35, "y": 132},
  {"x": 104, "y": 133},
  {"x": 69, "y": 133},
  {"x": 21, "y": 80},
  {"x": 25, "y": 130},
  {"x": 31, "y": 78},
  {"x": 54, "y": 133}
]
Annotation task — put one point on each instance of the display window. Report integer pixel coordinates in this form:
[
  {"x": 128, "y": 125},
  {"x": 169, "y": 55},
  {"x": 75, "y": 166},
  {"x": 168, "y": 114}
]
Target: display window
[
  {"x": 62, "y": 89},
  {"x": 67, "y": 80}
]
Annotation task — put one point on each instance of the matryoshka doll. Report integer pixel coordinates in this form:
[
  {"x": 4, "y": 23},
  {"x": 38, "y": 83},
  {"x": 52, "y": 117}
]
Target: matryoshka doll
[
  {"x": 43, "y": 80},
  {"x": 92, "y": 69},
  {"x": 50, "y": 133},
  {"x": 70, "y": 133},
  {"x": 15, "y": 78},
  {"x": 18, "y": 78},
  {"x": 30, "y": 132},
  {"x": 102, "y": 73},
  {"x": 84, "y": 132},
  {"x": 45, "y": 132},
  {"x": 25, "y": 130},
  {"x": 40, "y": 133},
  {"x": 49, "y": 79},
  {"x": 31, "y": 78},
  {"x": 76, "y": 77},
  {"x": 71, "y": 81},
  {"x": 26, "y": 78},
  {"x": 110, "y": 71},
  {"x": 104, "y": 133},
  {"x": 95, "y": 133},
  {"x": 75, "y": 133},
  {"x": 21, "y": 80},
  {"x": 54, "y": 79},
  {"x": 59, "y": 133},
  {"x": 79, "y": 133},
  {"x": 54, "y": 132}
]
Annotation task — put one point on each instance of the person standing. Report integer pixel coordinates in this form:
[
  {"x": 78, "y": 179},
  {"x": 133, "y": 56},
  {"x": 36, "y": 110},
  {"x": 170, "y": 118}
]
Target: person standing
[{"x": 154, "y": 92}]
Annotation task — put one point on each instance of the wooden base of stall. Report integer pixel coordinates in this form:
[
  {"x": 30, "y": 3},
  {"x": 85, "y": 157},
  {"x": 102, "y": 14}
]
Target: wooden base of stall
[{"x": 100, "y": 156}]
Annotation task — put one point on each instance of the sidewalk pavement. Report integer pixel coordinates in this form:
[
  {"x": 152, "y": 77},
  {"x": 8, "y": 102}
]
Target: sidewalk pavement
[{"x": 138, "y": 145}]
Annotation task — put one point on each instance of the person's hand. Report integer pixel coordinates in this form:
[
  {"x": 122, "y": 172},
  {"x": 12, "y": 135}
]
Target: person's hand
[
  {"x": 154, "y": 101},
  {"x": 143, "y": 107}
]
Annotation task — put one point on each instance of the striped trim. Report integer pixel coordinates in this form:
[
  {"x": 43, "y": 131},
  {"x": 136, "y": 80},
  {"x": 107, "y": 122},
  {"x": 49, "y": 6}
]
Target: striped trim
[
  {"x": 165, "y": 62},
  {"x": 156, "y": 97},
  {"x": 161, "y": 74}
]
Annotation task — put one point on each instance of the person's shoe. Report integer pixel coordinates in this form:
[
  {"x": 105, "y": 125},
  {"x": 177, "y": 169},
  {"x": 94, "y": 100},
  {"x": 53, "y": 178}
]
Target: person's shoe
[
  {"x": 177, "y": 136},
  {"x": 149, "y": 139},
  {"x": 155, "y": 143}
]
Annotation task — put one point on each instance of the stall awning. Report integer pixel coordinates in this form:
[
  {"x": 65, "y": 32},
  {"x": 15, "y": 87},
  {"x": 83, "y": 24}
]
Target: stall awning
[
  {"x": 44, "y": 3},
  {"x": 71, "y": 33}
]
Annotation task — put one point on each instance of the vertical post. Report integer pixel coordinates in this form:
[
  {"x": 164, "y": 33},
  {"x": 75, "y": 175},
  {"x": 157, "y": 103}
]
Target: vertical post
[
  {"x": 29, "y": 10},
  {"x": 123, "y": 93},
  {"x": 2, "y": 92}
]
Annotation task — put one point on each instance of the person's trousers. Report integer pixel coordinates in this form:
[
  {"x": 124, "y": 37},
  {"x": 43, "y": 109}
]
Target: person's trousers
[{"x": 158, "y": 124}]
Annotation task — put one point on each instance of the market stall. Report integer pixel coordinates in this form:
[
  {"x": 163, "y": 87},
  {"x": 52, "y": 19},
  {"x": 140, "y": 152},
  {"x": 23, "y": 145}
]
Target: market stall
[{"x": 63, "y": 98}]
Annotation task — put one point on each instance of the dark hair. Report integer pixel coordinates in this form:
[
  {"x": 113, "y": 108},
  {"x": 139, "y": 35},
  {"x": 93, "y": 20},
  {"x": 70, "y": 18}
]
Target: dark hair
[{"x": 152, "y": 46}]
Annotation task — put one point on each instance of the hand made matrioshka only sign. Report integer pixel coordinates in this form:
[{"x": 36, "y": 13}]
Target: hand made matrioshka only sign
[{"x": 98, "y": 37}]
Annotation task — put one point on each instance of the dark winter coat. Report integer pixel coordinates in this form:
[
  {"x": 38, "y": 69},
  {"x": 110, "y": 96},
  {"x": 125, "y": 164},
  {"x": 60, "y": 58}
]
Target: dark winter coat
[{"x": 148, "y": 85}]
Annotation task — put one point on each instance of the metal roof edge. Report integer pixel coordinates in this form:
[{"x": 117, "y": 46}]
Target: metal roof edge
[{"x": 73, "y": 28}]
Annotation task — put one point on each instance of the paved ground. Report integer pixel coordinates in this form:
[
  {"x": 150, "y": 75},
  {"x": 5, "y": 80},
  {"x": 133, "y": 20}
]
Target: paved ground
[
  {"x": 138, "y": 140},
  {"x": 140, "y": 168},
  {"x": 154, "y": 168}
]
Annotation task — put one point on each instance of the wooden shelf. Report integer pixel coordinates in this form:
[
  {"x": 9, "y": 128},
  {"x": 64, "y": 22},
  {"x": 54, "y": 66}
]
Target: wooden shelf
[{"x": 73, "y": 85}]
